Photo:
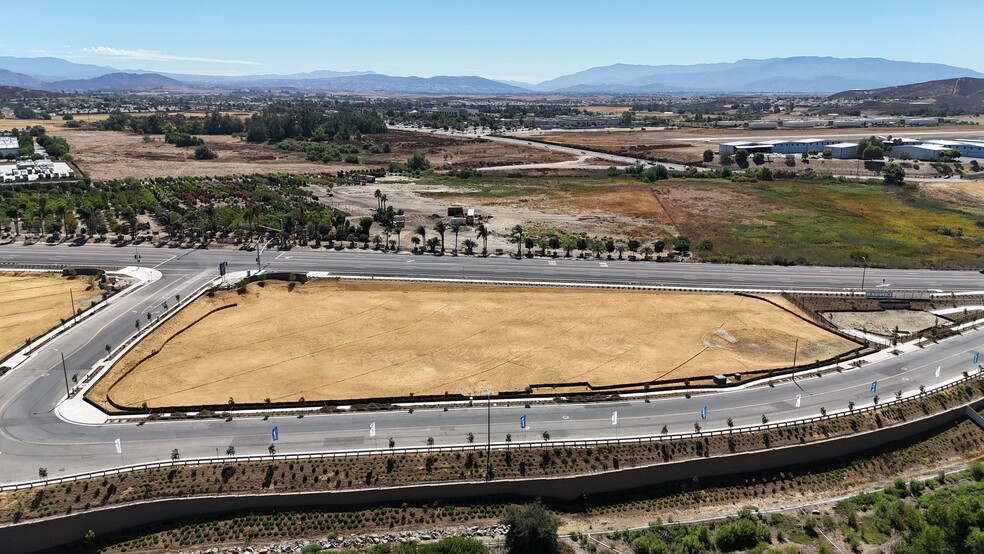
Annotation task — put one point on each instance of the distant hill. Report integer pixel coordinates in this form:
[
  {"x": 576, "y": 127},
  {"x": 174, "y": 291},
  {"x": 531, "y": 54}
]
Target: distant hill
[
  {"x": 963, "y": 92},
  {"x": 53, "y": 69},
  {"x": 417, "y": 85},
  {"x": 795, "y": 74},
  {"x": 14, "y": 79},
  {"x": 117, "y": 81},
  {"x": 18, "y": 93}
]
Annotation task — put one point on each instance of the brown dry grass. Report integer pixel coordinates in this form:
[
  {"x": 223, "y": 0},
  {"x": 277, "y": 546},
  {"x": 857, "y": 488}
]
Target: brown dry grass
[
  {"x": 116, "y": 155},
  {"x": 31, "y": 304},
  {"x": 344, "y": 340}
]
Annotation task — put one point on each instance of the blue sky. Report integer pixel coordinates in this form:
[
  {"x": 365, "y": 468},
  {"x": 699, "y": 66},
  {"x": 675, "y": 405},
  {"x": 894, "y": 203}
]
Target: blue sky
[{"x": 503, "y": 39}]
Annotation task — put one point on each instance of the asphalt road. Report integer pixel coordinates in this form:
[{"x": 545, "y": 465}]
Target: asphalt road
[{"x": 32, "y": 436}]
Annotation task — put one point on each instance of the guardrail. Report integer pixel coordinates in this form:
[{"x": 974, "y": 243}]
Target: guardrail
[{"x": 584, "y": 443}]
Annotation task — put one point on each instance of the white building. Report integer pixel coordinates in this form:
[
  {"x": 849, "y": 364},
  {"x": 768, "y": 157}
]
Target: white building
[
  {"x": 799, "y": 146},
  {"x": 763, "y": 125},
  {"x": 843, "y": 150},
  {"x": 8, "y": 146},
  {"x": 924, "y": 151}
]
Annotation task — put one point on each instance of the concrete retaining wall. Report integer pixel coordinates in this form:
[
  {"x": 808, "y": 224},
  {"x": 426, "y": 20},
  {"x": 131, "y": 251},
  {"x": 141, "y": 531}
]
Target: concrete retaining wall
[{"x": 51, "y": 533}]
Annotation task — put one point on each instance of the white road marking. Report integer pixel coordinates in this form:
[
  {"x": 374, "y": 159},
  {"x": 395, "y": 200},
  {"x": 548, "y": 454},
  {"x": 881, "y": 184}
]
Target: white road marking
[
  {"x": 603, "y": 264},
  {"x": 551, "y": 262}
]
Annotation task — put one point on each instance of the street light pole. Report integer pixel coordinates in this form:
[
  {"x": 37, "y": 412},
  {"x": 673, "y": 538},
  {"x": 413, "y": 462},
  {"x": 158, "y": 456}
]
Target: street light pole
[
  {"x": 864, "y": 269},
  {"x": 71, "y": 295},
  {"x": 68, "y": 391}
]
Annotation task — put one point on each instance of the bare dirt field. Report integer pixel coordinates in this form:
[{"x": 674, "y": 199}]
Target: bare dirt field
[
  {"x": 116, "y": 155},
  {"x": 31, "y": 304},
  {"x": 642, "y": 144},
  {"x": 331, "y": 340},
  {"x": 883, "y": 322}
]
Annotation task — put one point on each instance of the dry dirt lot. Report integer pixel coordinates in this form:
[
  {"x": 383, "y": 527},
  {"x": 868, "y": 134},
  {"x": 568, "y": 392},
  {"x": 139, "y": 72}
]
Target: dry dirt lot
[
  {"x": 116, "y": 155},
  {"x": 31, "y": 304},
  {"x": 336, "y": 340},
  {"x": 883, "y": 322}
]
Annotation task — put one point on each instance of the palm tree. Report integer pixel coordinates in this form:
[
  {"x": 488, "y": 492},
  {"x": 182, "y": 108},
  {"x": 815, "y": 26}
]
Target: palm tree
[
  {"x": 469, "y": 245},
  {"x": 483, "y": 233},
  {"x": 383, "y": 200},
  {"x": 517, "y": 235},
  {"x": 432, "y": 244},
  {"x": 377, "y": 195},
  {"x": 14, "y": 213},
  {"x": 415, "y": 240},
  {"x": 42, "y": 210},
  {"x": 387, "y": 230},
  {"x": 62, "y": 212},
  {"x": 440, "y": 227},
  {"x": 455, "y": 229},
  {"x": 398, "y": 231},
  {"x": 422, "y": 231}
]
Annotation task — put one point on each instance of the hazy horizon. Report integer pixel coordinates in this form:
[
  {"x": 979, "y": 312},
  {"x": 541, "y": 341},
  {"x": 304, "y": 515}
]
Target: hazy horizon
[{"x": 514, "y": 41}]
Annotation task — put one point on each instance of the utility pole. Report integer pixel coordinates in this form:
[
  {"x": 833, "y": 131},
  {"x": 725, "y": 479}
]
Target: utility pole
[{"x": 864, "y": 270}]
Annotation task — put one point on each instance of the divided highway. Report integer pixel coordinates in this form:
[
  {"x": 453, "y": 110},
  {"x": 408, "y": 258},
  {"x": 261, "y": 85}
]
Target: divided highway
[{"x": 32, "y": 435}]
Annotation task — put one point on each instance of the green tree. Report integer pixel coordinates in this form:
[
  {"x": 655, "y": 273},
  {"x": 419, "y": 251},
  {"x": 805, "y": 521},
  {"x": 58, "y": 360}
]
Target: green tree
[
  {"x": 758, "y": 158},
  {"x": 532, "y": 530},
  {"x": 203, "y": 152},
  {"x": 873, "y": 152},
  {"x": 417, "y": 163},
  {"x": 893, "y": 174},
  {"x": 708, "y": 156},
  {"x": 649, "y": 543},
  {"x": 741, "y": 156}
]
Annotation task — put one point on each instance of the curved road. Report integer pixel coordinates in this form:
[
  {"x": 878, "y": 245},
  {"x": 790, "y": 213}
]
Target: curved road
[{"x": 33, "y": 436}]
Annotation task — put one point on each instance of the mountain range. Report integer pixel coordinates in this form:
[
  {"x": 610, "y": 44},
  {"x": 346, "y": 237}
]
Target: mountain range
[{"x": 803, "y": 74}]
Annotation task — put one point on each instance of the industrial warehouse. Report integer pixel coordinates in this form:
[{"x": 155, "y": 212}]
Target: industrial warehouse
[{"x": 903, "y": 148}]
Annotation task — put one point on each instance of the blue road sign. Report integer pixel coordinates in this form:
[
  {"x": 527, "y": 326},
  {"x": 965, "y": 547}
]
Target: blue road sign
[
  {"x": 874, "y": 386},
  {"x": 275, "y": 433},
  {"x": 976, "y": 355},
  {"x": 222, "y": 267},
  {"x": 522, "y": 422},
  {"x": 703, "y": 412}
]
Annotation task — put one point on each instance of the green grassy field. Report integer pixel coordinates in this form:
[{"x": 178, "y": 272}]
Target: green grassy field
[
  {"x": 774, "y": 222},
  {"x": 836, "y": 224}
]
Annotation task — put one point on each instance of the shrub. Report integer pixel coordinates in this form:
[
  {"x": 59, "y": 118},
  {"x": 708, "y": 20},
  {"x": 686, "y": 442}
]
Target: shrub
[{"x": 204, "y": 153}]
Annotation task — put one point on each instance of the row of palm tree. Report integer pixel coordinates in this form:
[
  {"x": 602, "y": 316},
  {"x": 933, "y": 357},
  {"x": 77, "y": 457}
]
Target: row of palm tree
[{"x": 420, "y": 237}]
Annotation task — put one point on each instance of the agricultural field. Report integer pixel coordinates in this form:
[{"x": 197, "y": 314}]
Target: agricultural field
[
  {"x": 31, "y": 304},
  {"x": 337, "y": 340},
  {"x": 118, "y": 155}
]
